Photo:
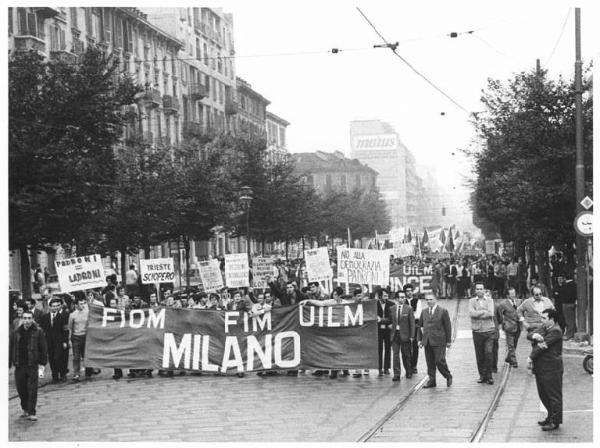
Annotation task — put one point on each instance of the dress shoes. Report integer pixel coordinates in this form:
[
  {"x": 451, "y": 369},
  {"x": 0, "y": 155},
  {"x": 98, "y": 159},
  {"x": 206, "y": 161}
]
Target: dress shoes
[
  {"x": 550, "y": 426},
  {"x": 414, "y": 370},
  {"x": 543, "y": 422},
  {"x": 386, "y": 371},
  {"x": 381, "y": 373},
  {"x": 333, "y": 375},
  {"x": 345, "y": 373},
  {"x": 356, "y": 375},
  {"x": 481, "y": 380},
  {"x": 449, "y": 381},
  {"x": 515, "y": 365},
  {"x": 396, "y": 378},
  {"x": 429, "y": 384},
  {"x": 490, "y": 381},
  {"x": 408, "y": 375}
]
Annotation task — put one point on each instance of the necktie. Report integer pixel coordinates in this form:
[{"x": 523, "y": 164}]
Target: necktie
[
  {"x": 514, "y": 304},
  {"x": 52, "y": 320}
]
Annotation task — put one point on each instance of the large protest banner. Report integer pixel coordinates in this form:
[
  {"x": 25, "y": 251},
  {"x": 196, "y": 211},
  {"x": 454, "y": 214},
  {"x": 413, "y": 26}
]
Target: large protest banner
[
  {"x": 236, "y": 270},
  {"x": 79, "y": 273},
  {"x": 419, "y": 276},
  {"x": 210, "y": 274},
  {"x": 490, "y": 247},
  {"x": 157, "y": 270},
  {"x": 402, "y": 250},
  {"x": 292, "y": 337},
  {"x": 317, "y": 264},
  {"x": 363, "y": 266},
  {"x": 262, "y": 267}
]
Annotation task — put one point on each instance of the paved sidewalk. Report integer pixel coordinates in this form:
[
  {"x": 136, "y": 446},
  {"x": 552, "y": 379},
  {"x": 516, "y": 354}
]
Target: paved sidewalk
[
  {"x": 444, "y": 414},
  {"x": 519, "y": 409}
]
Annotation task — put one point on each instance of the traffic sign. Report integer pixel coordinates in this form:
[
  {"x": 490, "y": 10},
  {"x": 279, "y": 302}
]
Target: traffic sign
[
  {"x": 587, "y": 202},
  {"x": 584, "y": 224}
]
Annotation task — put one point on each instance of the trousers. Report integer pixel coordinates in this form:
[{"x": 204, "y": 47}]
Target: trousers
[
  {"x": 511, "y": 344},
  {"x": 383, "y": 344},
  {"x": 26, "y": 381},
  {"x": 569, "y": 314},
  {"x": 549, "y": 386},
  {"x": 484, "y": 347},
  {"x": 401, "y": 350},
  {"x": 78, "y": 344},
  {"x": 435, "y": 357}
]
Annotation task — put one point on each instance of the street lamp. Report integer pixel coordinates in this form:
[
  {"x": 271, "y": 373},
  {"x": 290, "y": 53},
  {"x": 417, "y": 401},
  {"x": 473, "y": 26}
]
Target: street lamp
[{"x": 246, "y": 200}]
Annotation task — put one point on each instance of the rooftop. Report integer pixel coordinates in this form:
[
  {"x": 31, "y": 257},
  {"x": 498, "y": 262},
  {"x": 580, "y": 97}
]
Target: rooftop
[{"x": 321, "y": 161}]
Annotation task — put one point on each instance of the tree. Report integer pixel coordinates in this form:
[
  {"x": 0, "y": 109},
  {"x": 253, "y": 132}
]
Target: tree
[
  {"x": 64, "y": 119},
  {"x": 525, "y": 171}
]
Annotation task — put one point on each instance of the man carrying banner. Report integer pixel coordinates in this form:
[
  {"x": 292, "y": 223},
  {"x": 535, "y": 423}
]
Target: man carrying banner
[
  {"x": 436, "y": 338},
  {"x": 402, "y": 335}
]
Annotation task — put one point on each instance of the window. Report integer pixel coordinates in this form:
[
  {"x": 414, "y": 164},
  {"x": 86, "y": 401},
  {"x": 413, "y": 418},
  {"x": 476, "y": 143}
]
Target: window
[
  {"x": 221, "y": 92},
  {"x": 282, "y": 137},
  {"x": 198, "y": 52},
  {"x": 205, "y": 49},
  {"x": 10, "y": 21},
  {"x": 327, "y": 182},
  {"x": 96, "y": 24},
  {"x": 73, "y": 14},
  {"x": 57, "y": 38},
  {"x": 29, "y": 24},
  {"x": 219, "y": 64},
  {"x": 214, "y": 89}
]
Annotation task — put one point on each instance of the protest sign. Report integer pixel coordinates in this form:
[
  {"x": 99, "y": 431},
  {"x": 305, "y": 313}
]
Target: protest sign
[
  {"x": 402, "y": 250},
  {"x": 490, "y": 247},
  {"x": 293, "y": 337},
  {"x": 210, "y": 274},
  {"x": 262, "y": 268},
  {"x": 419, "y": 276},
  {"x": 317, "y": 264},
  {"x": 157, "y": 270},
  {"x": 236, "y": 270},
  {"x": 363, "y": 266},
  {"x": 79, "y": 273}
]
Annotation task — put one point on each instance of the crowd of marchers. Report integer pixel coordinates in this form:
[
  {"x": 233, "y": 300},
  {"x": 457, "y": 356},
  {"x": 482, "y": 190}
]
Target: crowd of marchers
[{"x": 405, "y": 324}]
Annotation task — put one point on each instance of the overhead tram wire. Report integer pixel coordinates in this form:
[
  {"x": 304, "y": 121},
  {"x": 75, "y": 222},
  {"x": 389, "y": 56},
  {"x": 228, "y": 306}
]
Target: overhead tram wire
[
  {"x": 562, "y": 30},
  {"x": 393, "y": 48}
]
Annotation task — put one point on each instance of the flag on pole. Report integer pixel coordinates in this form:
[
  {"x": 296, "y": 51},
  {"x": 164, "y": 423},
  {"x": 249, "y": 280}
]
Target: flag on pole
[
  {"x": 409, "y": 236},
  {"x": 419, "y": 255},
  {"x": 443, "y": 238},
  {"x": 450, "y": 243},
  {"x": 425, "y": 239}
]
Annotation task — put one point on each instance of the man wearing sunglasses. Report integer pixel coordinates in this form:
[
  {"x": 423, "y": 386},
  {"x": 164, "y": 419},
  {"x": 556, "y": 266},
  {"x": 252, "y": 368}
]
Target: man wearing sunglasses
[{"x": 530, "y": 311}]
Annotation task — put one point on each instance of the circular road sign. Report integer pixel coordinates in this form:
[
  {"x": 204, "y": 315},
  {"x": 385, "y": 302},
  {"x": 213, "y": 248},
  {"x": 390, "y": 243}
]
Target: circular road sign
[{"x": 584, "y": 223}]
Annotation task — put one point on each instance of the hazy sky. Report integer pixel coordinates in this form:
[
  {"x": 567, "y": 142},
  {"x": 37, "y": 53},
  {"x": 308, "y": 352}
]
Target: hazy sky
[{"x": 321, "y": 92}]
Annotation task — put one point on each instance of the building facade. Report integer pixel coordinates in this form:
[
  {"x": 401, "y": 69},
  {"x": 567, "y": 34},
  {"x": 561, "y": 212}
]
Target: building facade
[
  {"x": 276, "y": 128},
  {"x": 378, "y": 145},
  {"x": 327, "y": 172},
  {"x": 252, "y": 111}
]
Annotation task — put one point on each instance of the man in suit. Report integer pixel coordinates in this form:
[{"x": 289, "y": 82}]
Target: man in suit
[
  {"x": 436, "y": 338},
  {"x": 402, "y": 335},
  {"x": 414, "y": 303},
  {"x": 546, "y": 357},
  {"x": 55, "y": 326},
  {"x": 509, "y": 319},
  {"x": 384, "y": 320}
]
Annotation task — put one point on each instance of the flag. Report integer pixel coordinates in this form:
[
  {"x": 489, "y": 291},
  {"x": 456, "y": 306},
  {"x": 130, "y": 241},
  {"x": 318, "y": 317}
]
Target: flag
[
  {"x": 443, "y": 237},
  {"x": 349, "y": 238},
  {"x": 425, "y": 239},
  {"x": 457, "y": 234},
  {"x": 409, "y": 236},
  {"x": 450, "y": 243},
  {"x": 418, "y": 252}
]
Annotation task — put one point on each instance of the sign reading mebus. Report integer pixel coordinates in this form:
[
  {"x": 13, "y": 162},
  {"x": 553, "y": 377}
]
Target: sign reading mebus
[
  {"x": 79, "y": 273},
  {"x": 379, "y": 141}
]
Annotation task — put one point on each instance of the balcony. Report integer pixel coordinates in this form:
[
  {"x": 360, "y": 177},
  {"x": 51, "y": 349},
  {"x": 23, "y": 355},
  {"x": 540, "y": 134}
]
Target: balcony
[
  {"x": 193, "y": 129},
  {"x": 152, "y": 98},
  {"x": 64, "y": 56},
  {"x": 171, "y": 105},
  {"x": 47, "y": 13},
  {"x": 231, "y": 107},
  {"x": 197, "y": 91},
  {"x": 30, "y": 42}
]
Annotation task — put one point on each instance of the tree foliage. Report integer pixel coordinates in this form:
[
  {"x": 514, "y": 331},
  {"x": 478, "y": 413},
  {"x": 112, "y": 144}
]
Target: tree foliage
[{"x": 525, "y": 185}]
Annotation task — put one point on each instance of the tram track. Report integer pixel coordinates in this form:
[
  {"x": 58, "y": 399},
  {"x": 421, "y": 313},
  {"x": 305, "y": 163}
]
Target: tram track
[{"x": 479, "y": 429}]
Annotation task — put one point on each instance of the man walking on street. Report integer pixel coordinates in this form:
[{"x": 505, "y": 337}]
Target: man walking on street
[
  {"x": 384, "y": 320},
  {"x": 481, "y": 311},
  {"x": 78, "y": 322},
  {"x": 509, "y": 319},
  {"x": 54, "y": 325},
  {"x": 402, "y": 335},
  {"x": 436, "y": 338},
  {"x": 530, "y": 311},
  {"x": 28, "y": 353},
  {"x": 415, "y": 304},
  {"x": 546, "y": 357}
]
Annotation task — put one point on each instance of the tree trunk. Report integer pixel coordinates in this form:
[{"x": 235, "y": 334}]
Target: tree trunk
[
  {"x": 286, "y": 249},
  {"x": 541, "y": 257},
  {"x": 186, "y": 245},
  {"x": 25, "y": 272},
  {"x": 123, "y": 251},
  {"x": 147, "y": 252},
  {"x": 263, "y": 247},
  {"x": 531, "y": 259},
  {"x": 303, "y": 248}
]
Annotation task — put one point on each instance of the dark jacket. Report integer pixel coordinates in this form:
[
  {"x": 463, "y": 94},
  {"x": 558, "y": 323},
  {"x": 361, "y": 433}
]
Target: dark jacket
[
  {"x": 384, "y": 314},
  {"x": 437, "y": 329},
  {"x": 547, "y": 360},
  {"x": 566, "y": 293},
  {"x": 508, "y": 317},
  {"x": 403, "y": 315},
  {"x": 37, "y": 350},
  {"x": 286, "y": 299},
  {"x": 57, "y": 333}
]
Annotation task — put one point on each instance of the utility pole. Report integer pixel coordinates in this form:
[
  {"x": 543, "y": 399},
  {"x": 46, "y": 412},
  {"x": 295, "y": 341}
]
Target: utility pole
[{"x": 581, "y": 242}]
